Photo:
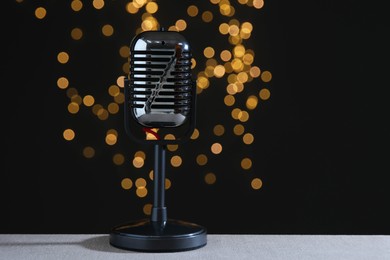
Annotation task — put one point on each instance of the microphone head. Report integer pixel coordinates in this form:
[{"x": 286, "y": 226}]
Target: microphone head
[{"x": 160, "y": 91}]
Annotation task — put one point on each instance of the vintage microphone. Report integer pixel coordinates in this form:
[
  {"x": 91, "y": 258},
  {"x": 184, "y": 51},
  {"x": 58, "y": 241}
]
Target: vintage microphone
[{"x": 160, "y": 108}]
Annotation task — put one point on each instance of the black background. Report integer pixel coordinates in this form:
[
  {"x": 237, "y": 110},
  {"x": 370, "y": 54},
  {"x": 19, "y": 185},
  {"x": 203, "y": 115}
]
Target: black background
[{"x": 322, "y": 140}]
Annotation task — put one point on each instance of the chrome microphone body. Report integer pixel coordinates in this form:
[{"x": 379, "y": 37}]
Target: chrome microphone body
[
  {"x": 160, "y": 92},
  {"x": 160, "y": 79}
]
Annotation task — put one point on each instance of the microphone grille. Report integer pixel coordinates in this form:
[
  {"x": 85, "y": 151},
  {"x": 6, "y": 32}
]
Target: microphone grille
[{"x": 160, "y": 89}]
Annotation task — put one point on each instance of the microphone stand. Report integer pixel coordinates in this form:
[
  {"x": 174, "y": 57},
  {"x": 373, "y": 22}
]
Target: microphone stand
[
  {"x": 159, "y": 211},
  {"x": 159, "y": 233}
]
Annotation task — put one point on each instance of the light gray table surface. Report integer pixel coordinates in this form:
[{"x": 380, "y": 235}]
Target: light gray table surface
[{"x": 238, "y": 247}]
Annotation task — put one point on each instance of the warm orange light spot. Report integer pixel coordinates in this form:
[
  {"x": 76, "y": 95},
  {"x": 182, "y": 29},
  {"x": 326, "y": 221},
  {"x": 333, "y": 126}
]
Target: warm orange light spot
[
  {"x": 107, "y": 30},
  {"x": 141, "y": 192},
  {"x": 224, "y": 28},
  {"x": 118, "y": 159},
  {"x": 192, "y": 10},
  {"x": 258, "y": 4},
  {"x": 216, "y": 148},
  {"x": 266, "y": 76},
  {"x": 238, "y": 129},
  {"x": 138, "y": 162},
  {"x": 248, "y": 138},
  {"x": 225, "y": 55},
  {"x": 246, "y": 163},
  {"x": 68, "y": 134},
  {"x": 131, "y": 8},
  {"x": 40, "y": 13},
  {"x": 76, "y": 5},
  {"x": 264, "y": 94},
  {"x": 235, "y": 113},
  {"x": 62, "y": 83},
  {"x": 111, "y": 139},
  {"x": 151, "y": 7},
  {"x": 63, "y": 57},
  {"x": 202, "y": 82},
  {"x": 168, "y": 183},
  {"x": 113, "y": 108},
  {"x": 243, "y": 116},
  {"x": 98, "y": 4},
  {"x": 254, "y": 71},
  {"x": 219, "y": 130},
  {"x": 239, "y": 51},
  {"x": 126, "y": 183},
  {"x": 242, "y": 77},
  {"x": 256, "y": 183},
  {"x": 140, "y": 154},
  {"x": 147, "y": 209},
  {"x": 207, "y": 16},
  {"x": 88, "y": 152},
  {"x": 233, "y": 30},
  {"x": 201, "y": 159},
  {"x": 208, "y": 52},
  {"x": 210, "y": 178},
  {"x": 219, "y": 71},
  {"x": 251, "y": 102},
  {"x": 181, "y": 25},
  {"x": 140, "y": 183},
  {"x": 195, "y": 134},
  {"x": 176, "y": 161},
  {"x": 76, "y": 34},
  {"x": 172, "y": 147},
  {"x": 73, "y": 108},
  {"x": 229, "y": 100}
]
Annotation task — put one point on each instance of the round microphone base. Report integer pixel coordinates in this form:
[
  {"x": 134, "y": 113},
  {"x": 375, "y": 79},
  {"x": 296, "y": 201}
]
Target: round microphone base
[{"x": 149, "y": 236}]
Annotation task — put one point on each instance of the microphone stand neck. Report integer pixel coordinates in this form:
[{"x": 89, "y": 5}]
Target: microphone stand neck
[{"x": 159, "y": 211}]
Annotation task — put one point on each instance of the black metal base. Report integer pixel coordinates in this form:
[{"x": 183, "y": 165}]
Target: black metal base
[{"x": 145, "y": 235}]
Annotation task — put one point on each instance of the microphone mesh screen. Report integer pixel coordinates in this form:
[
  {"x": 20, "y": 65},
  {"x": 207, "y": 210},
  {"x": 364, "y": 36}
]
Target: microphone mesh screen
[{"x": 160, "y": 85}]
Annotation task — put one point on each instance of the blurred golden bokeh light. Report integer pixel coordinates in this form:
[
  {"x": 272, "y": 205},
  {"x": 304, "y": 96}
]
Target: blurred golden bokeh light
[
  {"x": 140, "y": 183},
  {"x": 126, "y": 183},
  {"x": 76, "y": 5},
  {"x": 138, "y": 162},
  {"x": 141, "y": 192},
  {"x": 210, "y": 178},
  {"x": 192, "y": 10},
  {"x": 207, "y": 16},
  {"x": 219, "y": 130},
  {"x": 63, "y": 57},
  {"x": 88, "y": 152},
  {"x": 98, "y": 4},
  {"x": 201, "y": 159},
  {"x": 229, "y": 70},
  {"x": 68, "y": 134},
  {"x": 216, "y": 148},
  {"x": 246, "y": 163},
  {"x": 76, "y": 34},
  {"x": 264, "y": 94},
  {"x": 40, "y": 13},
  {"x": 107, "y": 30},
  {"x": 248, "y": 138},
  {"x": 256, "y": 183},
  {"x": 62, "y": 82},
  {"x": 147, "y": 209},
  {"x": 176, "y": 161},
  {"x": 118, "y": 159}
]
